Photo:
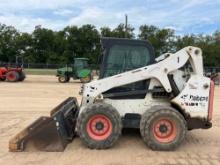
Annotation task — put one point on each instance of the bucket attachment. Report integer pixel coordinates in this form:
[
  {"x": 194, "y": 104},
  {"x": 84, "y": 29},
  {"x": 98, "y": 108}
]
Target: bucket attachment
[{"x": 49, "y": 133}]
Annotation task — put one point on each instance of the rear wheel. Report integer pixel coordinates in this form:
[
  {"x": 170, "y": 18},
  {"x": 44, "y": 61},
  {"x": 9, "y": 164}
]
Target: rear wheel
[
  {"x": 12, "y": 76},
  {"x": 86, "y": 79},
  {"x": 163, "y": 128},
  {"x": 63, "y": 79},
  {"x": 22, "y": 76},
  {"x": 99, "y": 126}
]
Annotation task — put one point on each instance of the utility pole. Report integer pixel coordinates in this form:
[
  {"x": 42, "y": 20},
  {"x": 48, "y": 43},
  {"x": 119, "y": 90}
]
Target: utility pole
[{"x": 126, "y": 25}]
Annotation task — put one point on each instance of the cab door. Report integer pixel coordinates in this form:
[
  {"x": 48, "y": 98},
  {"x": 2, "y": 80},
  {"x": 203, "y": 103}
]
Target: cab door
[{"x": 124, "y": 55}]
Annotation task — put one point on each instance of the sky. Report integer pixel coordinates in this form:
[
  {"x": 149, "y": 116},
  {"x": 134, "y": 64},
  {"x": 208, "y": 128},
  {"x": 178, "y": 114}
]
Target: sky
[{"x": 184, "y": 16}]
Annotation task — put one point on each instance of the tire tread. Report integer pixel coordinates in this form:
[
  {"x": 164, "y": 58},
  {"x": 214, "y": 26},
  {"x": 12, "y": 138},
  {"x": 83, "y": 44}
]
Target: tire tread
[
  {"x": 98, "y": 108},
  {"x": 149, "y": 115}
]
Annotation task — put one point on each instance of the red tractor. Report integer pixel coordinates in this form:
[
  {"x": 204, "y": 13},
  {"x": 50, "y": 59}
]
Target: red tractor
[{"x": 11, "y": 74}]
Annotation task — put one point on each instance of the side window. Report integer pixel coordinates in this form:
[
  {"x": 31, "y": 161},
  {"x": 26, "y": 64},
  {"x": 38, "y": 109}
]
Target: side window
[
  {"x": 123, "y": 58},
  {"x": 85, "y": 64},
  {"x": 139, "y": 57},
  {"x": 78, "y": 64}
]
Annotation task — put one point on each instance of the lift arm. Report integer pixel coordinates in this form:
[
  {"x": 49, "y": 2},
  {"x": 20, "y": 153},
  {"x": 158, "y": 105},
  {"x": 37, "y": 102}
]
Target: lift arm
[{"x": 159, "y": 70}]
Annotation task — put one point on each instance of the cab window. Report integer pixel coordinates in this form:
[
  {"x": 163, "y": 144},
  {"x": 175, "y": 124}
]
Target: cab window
[
  {"x": 124, "y": 58},
  {"x": 80, "y": 64}
]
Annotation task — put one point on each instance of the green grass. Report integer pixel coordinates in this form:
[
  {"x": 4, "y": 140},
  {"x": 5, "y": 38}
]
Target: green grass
[{"x": 40, "y": 71}]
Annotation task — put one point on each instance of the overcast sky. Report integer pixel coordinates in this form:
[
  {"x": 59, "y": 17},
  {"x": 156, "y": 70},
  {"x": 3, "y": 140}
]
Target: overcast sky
[{"x": 184, "y": 16}]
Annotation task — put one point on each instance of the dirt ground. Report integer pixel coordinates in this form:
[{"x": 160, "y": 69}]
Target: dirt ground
[{"x": 21, "y": 103}]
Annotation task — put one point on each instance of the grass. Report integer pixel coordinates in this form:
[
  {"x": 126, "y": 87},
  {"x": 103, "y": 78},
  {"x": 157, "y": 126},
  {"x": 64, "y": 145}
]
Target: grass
[{"x": 40, "y": 71}]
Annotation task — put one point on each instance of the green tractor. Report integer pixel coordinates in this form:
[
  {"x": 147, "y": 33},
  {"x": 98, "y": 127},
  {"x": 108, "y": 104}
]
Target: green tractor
[{"x": 79, "y": 70}]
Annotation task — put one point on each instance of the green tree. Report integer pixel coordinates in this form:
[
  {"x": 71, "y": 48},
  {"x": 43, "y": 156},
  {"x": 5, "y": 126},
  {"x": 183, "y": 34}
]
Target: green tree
[
  {"x": 24, "y": 45},
  {"x": 8, "y": 47},
  {"x": 43, "y": 45},
  {"x": 48, "y": 46},
  {"x": 106, "y": 32},
  {"x": 120, "y": 31},
  {"x": 82, "y": 42},
  {"x": 161, "y": 39},
  {"x": 184, "y": 41}
]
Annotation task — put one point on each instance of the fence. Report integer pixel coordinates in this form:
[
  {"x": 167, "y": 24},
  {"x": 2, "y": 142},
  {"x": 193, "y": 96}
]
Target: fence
[
  {"x": 44, "y": 68},
  {"x": 43, "y": 65},
  {"x": 94, "y": 66},
  {"x": 212, "y": 69}
]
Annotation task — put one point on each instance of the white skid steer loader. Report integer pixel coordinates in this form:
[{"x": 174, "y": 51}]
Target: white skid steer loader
[{"x": 163, "y": 98}]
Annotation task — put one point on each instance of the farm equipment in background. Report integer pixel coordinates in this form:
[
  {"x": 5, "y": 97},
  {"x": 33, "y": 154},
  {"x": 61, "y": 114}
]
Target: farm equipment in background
[
  {"x": 214, "y": 76},
  {"x": 79, "y": 70},
  {"x": 158, "y": 96},
  {"x": 12, "y": 74}
]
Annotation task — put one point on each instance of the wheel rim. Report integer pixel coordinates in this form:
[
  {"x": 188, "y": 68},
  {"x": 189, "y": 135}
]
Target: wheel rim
[
  {"x": 11, "y": 77},
  {"x": 62, "y": 79},
  {"x": 164, "y": 130},
  {"x": 86, "y": 79},
  {"x": 99, "y": 127}
]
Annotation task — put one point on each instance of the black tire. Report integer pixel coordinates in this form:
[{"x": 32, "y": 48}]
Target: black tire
[
  {"x": 63, "y": 79},
  {"x": 149, "y": 130},
  {"x": 3, "y": 79},
  {"x": 67, "y": 79},
  {"x": 84, "y": 121},
  {"x": 86, "y": 79},
  {"x": 22, "y": 76},
  {"x": 12, "y": 76}
]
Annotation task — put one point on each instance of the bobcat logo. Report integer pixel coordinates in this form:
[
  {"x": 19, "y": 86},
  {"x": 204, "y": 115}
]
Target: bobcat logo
[{"x": 184, "y": 97}]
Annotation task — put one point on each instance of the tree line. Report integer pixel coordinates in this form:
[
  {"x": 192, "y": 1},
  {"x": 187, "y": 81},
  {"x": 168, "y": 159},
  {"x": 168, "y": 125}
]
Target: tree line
[{"x": 60, "y": 47}]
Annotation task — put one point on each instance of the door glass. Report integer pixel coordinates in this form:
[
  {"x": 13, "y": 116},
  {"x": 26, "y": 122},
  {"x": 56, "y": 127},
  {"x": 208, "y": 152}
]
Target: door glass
[{"x": 124, "y": 58}]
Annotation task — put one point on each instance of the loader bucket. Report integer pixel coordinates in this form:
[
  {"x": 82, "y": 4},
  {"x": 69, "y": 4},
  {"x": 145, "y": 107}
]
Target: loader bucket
[{"x": 50, "y": 134}]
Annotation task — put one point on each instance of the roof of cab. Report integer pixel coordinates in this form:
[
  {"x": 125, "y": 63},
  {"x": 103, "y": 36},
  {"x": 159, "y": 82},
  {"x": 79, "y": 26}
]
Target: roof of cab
[{"x": 111, "y": 40}]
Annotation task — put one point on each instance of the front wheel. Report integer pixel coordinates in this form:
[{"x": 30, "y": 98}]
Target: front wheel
[
  {"x": 99, "y": 126},
  {"x": 63, "y": 79},
  {"x": 163, "y": 128}
]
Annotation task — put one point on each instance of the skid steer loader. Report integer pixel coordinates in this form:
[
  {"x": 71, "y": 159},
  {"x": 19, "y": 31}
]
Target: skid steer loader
[{"x": 163, "y": 98}]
